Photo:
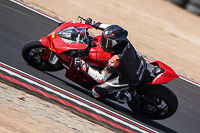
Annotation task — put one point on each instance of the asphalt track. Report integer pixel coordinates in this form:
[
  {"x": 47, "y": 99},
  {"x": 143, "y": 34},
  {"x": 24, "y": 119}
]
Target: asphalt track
[{"x": 19, "y": 25}]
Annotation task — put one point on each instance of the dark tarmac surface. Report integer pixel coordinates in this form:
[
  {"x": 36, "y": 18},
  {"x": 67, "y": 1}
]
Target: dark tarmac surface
[{"x": 19, "y": 25}]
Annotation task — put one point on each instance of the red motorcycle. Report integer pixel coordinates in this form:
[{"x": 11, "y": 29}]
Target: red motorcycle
[{"x": 72, "y": 39}]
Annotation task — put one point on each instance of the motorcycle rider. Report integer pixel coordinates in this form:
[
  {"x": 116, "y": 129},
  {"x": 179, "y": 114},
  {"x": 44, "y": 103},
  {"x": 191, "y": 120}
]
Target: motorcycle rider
[{"x": 125, "y": 61}]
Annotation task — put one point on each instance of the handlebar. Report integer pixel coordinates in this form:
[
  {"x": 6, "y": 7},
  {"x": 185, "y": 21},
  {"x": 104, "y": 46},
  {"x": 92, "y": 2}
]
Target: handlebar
[{"x": 81, "y": 18}]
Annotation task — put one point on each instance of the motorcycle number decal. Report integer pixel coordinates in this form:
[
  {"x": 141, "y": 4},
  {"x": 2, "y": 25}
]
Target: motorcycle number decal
[{"x": 113, "y": 61}]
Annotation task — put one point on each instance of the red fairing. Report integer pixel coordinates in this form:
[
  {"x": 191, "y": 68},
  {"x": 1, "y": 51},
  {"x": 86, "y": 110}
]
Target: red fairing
[
  {"x": 165, "y": 77},
  {"x": 45, "y": 41},
  {"x": 61, "y": 46},
  {"x": 58, "y": 45},
  {"x": 70, "y": 24},
  {"x": 97, "y": 53}
]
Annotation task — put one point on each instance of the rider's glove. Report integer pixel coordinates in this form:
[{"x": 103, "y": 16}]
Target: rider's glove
[
  {"x": 79, "y": 63},
  {"x": 89, "y": 21},
  {"x": 92, "y": 23}
]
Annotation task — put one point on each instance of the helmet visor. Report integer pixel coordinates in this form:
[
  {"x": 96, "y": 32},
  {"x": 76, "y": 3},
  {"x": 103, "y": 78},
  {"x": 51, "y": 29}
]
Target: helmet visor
[{"x": 108, "y": 43}]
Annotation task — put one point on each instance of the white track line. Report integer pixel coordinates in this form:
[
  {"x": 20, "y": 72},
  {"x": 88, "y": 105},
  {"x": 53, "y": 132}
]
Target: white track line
[
  {"x": 58, "y": 21},
  {"x": 74, "y": 100},
  {"x": 190, "y": 81},
  {"x": 36, "y": 11}
]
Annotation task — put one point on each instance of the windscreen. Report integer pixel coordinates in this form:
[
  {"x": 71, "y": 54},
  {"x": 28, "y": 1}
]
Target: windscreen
[{"x": 72, "y": 35}]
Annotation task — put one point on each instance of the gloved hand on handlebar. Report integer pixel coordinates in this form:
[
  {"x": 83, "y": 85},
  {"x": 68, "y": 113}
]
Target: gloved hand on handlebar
[
  {"x": 79, "y": 63},
  {"x": 92, "y": 23}
]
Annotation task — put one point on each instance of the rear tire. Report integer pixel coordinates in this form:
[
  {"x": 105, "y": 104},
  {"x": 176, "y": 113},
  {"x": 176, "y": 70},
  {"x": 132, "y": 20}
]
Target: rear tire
[
  {"x": 32, "y": 53},
  {"x": 161, "y": 102}
]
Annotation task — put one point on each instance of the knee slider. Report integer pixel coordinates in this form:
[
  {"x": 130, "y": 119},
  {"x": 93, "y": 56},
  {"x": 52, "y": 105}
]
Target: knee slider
[
  {"x": 94, "y": 93},
  {"x": 98, "y": 92}
]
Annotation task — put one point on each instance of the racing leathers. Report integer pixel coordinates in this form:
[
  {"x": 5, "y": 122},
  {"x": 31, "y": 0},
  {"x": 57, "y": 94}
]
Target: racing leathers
[{"x": 125, "y": 61}]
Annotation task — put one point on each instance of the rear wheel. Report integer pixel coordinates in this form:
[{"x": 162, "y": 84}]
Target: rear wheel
[
  {"x": 33, "y": 53},
  {"x": 154, "y": 102}
]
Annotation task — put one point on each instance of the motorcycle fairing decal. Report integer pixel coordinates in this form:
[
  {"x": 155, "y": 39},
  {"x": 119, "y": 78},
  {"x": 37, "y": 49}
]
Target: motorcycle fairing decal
[{"x": 72, "y": 97}]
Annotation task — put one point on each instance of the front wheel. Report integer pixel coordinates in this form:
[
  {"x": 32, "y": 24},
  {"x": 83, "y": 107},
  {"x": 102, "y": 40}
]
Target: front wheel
[
  {"x": 33, "y": 52},
  {"x": 154, "y": 102}
]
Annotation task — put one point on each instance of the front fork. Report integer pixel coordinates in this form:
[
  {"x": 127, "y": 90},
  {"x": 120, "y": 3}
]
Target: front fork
[
  {"x": 50, "y": 57},
  {"x": 53, "y": 59}
]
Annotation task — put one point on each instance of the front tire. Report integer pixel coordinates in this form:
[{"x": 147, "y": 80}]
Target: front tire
[
  {"x": 154, "y": 102},
  {"x": 32, "y": 53}
]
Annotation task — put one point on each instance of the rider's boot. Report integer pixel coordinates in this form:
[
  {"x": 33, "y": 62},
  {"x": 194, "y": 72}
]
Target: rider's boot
[{"x": 123, "y": 96}]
